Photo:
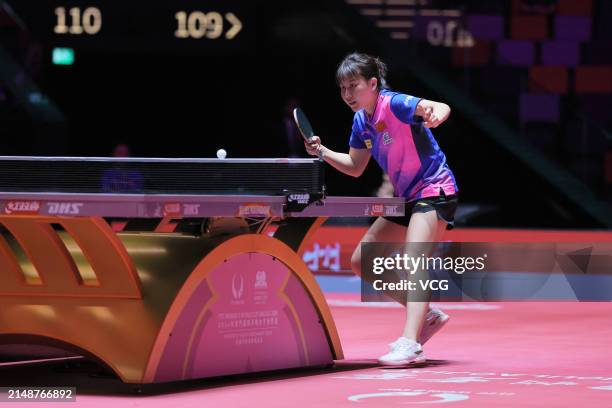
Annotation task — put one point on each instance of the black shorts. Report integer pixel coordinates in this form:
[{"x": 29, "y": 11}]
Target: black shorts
[{"x": 445, "y": 207}]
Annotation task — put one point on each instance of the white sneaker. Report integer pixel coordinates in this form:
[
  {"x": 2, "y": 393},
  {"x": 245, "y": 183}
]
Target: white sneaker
[
  {"x": 403, "y": 351},
  {"x": 435, "y": 319}
]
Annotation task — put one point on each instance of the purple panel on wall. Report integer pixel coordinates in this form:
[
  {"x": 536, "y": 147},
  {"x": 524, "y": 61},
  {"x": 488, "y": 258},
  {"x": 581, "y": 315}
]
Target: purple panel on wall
[
  {"x": 486, "y": 27},
  {"x": 513, "y": 52},
  {"x": 539, "y": 108},
  {"x": 565, "y": 53},
  {"x": 573, "y": 28}
]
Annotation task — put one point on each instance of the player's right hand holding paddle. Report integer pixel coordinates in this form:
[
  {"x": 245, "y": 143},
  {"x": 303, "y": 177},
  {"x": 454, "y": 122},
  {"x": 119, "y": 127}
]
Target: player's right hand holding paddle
[
  {"x": 312, "y": 142},
  {"x": 352, "y": 163},
  {"x": 313, "y": 146}
]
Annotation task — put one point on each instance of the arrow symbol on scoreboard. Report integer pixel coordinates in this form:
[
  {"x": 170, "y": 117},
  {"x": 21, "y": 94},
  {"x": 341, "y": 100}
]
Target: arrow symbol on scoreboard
[{"x": 236, "y": 26}]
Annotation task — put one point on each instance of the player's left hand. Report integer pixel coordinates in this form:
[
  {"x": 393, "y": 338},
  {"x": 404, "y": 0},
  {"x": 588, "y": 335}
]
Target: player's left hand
[
  {"x": 432, "y": 113},
  {"x": 430, "y": 118}
]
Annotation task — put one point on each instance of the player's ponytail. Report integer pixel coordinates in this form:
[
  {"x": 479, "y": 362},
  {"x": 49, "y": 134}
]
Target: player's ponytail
[
  {"x": 367, "y": 66},
  {"x": 382, "y": 73}
]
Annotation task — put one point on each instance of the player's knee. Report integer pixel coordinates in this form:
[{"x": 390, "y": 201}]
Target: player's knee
[{"x": 356, "y": 257}]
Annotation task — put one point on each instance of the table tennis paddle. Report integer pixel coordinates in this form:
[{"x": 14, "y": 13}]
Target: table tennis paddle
[{"x": 303, "y": 124}]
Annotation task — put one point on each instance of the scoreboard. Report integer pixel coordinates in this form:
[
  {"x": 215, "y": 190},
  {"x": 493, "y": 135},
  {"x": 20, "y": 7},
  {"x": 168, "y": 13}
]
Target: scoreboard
[{"x": 216, "y": 26}]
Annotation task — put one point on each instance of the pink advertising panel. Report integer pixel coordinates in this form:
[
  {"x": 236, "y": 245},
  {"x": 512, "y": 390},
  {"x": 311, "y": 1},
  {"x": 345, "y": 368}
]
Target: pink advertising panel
[{"x": 251, "y": 313}]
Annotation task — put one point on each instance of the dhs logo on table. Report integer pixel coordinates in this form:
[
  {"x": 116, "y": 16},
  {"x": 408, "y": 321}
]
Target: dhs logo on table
[
  {"x": 392, "y": 210},
  {"x": 64, "y": 208}
]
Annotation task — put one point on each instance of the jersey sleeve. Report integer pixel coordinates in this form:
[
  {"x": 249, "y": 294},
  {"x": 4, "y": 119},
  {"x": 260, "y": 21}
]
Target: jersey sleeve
[
  {"x": 404, "y": 108},
  {"x": 356, "y": 141}
]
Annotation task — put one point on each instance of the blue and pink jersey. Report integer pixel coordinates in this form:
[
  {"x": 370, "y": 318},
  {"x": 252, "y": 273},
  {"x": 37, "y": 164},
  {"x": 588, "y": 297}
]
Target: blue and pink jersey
[{"x": 404, "y": 148}]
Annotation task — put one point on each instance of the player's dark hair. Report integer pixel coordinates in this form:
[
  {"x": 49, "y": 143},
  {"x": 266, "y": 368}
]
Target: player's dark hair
[{"x": 367, "y": 66}]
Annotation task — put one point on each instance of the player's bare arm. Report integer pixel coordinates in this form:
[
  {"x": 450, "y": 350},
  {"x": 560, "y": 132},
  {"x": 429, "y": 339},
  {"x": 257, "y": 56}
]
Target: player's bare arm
[
  {"x": 433, "y": 113},
  {"x": 352, "y": 163}
]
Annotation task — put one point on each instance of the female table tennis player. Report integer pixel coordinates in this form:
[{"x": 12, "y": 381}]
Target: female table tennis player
[{"x": 395, "y": 129}]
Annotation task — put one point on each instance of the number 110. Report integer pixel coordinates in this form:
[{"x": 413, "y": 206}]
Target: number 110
[{"x": 89, "y": 21}]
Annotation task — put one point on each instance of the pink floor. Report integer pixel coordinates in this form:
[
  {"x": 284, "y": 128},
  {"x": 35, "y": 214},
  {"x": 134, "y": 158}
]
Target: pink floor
[{"x": 490, "y": 354}]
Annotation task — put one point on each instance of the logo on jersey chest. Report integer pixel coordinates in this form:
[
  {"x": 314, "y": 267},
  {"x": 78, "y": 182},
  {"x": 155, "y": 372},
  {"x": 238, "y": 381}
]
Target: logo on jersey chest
[{"x": 387, "y": 139}]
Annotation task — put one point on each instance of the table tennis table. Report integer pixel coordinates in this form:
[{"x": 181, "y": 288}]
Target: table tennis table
[{"x": 162, "y": 280}]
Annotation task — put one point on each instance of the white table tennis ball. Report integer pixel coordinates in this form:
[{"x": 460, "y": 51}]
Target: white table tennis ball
[{"x": 221, "y": 154}]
